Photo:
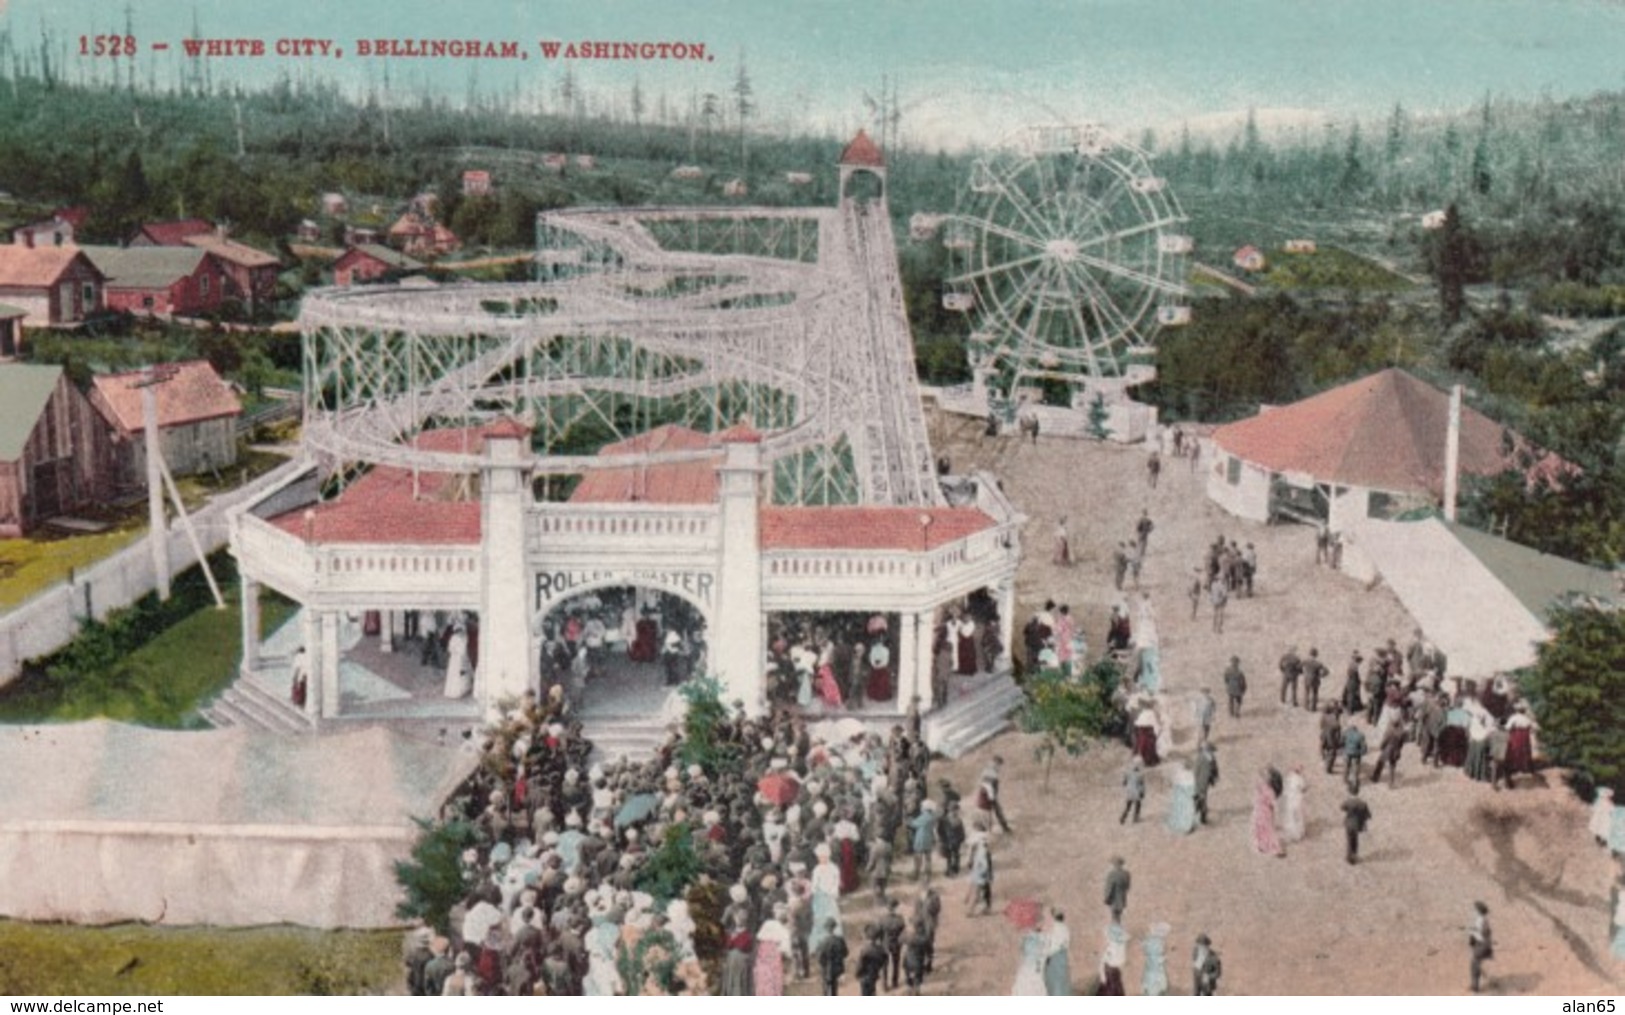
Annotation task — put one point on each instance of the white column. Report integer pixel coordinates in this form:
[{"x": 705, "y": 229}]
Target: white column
[
  {"x": 329, "y": 673},
  {"x": 736, "y": 634},
  {"x": 1007, "y": 623},
  {"x": 250, "y": 608},
  {"x": 311, "y": 637},
  {"x": 506, "y": 659},
  {"x": 925, "y": 642},
  {"x": 386, "y": 631},
  {"x": 908, "y": 658}
]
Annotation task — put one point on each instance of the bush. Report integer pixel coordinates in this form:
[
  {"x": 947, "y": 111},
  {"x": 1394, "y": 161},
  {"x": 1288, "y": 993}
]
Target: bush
[
  {"x": 433, "y": 878},
  {"x": 1071, "y": 714}
]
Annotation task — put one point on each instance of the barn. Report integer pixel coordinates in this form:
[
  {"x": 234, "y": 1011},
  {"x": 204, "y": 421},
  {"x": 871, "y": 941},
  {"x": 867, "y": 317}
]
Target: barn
[
  {"x": 159, "y": 280},
  {"x": 197, "y": 422},
  {"x": 51, "y": 444},
  {"x": 368, "y": 262}
]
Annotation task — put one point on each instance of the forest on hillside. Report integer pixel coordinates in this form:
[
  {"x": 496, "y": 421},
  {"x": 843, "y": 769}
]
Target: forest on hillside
[{"x": 1516, "y": 297}]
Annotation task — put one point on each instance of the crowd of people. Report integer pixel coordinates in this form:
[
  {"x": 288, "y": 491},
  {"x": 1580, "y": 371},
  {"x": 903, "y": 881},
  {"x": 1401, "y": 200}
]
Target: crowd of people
[{"x": 578, "y": 886}]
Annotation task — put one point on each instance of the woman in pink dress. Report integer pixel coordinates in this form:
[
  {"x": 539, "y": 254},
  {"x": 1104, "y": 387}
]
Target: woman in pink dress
[
  {"x": 1264, "y": 838},
  {"x": 829, "y": 689},
  {"x": 1065, "y": 629},
  {"x": 772, "y": 945}
]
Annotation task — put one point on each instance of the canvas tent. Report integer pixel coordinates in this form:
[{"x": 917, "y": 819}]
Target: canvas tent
[
  {"x": 1483, "y": 600},
  {"x": 102, "y": 822}
]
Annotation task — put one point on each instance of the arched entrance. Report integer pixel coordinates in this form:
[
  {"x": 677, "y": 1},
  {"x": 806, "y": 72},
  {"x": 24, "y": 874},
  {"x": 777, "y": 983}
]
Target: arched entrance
[{"x": 621, "y": 650}]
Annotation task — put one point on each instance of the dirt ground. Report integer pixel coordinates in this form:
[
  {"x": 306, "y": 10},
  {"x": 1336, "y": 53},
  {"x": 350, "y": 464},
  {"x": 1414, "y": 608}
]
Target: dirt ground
[{"x": 1304, "y": 924}]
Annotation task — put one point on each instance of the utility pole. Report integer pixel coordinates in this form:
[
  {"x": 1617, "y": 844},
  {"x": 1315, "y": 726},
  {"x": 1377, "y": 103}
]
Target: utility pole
[
  {"x": 157, "y": 527},
  {"x": 1452, "y": 454}
]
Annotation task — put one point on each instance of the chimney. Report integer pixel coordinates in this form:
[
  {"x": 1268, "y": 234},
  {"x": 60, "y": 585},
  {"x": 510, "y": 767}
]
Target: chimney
[
  {"x": 28, "y": 238},
  {"x": 1452, "y": 454}
]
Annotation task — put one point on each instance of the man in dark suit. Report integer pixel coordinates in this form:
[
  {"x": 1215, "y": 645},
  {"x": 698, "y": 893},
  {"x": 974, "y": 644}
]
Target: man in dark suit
[
  {"x": 831, "y": 957},
  {"x": 871, "y": 962},
  {"x": 1117, "y": 885},
  {"x": 1205, "y": 967},
  {"x": 1356, "y": 815},
  {"x": 1207, "y": 773}
]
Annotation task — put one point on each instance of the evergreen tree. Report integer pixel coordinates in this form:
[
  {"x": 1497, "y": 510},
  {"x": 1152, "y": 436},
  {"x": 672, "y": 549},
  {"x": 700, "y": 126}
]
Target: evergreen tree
[
  {"x": 433, "y": 879},
  {"x": 1576, "y": 687},
  {"x": 1452, "y": 267}
]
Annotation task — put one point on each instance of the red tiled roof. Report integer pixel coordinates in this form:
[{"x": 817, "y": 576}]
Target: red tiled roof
[
  {"x": 675, "y": 483},
  {"x": 1385, "y": 432},
  {"x": 35, "y": 266},
  {"x": 380, "y": 508},
  {"x": 174, "y": 234},
  {"x": 740, "y": 433},
  {"x": 862, "y": 151},
  {"x": 231, "y": 250},
  {"x": 507, "y": 426},
  {"x": 462, "y": 440},
  {"x": 867, "y": 528},
  {"x": 193, "y": 393}
]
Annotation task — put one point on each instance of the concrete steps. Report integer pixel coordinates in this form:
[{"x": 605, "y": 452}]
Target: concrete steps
[
  {"x": 974, "y": 718},
  {"x": 248, "y": 704},
  {"x": 635, "y": 737}
]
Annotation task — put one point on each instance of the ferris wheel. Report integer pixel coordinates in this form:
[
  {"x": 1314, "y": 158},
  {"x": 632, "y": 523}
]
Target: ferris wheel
[{"x": 1071, "y": 255}]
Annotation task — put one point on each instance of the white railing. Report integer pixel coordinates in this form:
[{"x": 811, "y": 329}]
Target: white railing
[
  {"x": 351, "y": 571},
  {"x": 572, "y": 528},
  {"x": 981, "y": 557}
]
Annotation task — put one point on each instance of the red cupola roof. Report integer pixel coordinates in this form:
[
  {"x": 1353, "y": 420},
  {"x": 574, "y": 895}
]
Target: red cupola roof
[{"x": 862, "y": 151}]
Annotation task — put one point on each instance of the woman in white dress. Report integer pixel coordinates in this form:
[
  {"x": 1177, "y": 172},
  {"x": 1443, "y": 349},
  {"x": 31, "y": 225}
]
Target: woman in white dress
[
  {"x": 1030, "y": 972},
  {"x": 458, "y": 683},
  {"x": 1602, "y": 815},
  {"x": 826, "y": 896},
  {"x": 1292, "y": 821}
]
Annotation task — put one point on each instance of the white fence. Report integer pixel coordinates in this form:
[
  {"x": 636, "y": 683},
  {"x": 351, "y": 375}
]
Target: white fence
[{"x": 51, "y": 619}]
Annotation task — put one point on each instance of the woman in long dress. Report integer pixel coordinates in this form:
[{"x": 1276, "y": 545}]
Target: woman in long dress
[
  {"x": 879, "y": 686},
  {"x": 1264, "y": 838},
  {"x": 964, "y": 634},
  {"x": 826, "y": 896},
  {"x": 1147, "y": 725},
  {"x": 1111, "y": 962},
  {"x": 1030, "y": 972},
  {"x": 457, "y": 681},
  {"x": 1182, "y": 803},
  {"x": 1292, "y": 822},
  {"x": 737, "y": 961},
  {"x": 1063, "y": 545},
  {"x": 772, "y": 945},
  {"x": 846, "y": 834},
  {"x": 1065, "y": 629},
  {"x": 1477, "y": 764},
  {"x": 1058, "y": 956},
  {"x": 1154, "y": 979},
  {"x": 829, "y": 689},
  {"x": 1150, "y": 645},
  {"x": 1520, "y": 742}
]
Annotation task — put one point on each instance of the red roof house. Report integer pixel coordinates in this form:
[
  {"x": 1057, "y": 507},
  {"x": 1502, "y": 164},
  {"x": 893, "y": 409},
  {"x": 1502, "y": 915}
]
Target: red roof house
[
  {"x": 1384, "y": 434},
  {"x": 197, "y": 420},
  {"x": 53, "y": 285},
  {"x": 250, "y": 273},
  {"x": 170, "y": 234},
  {"x": 159, "y": 280},
  {"x": 368, "y": 262}
]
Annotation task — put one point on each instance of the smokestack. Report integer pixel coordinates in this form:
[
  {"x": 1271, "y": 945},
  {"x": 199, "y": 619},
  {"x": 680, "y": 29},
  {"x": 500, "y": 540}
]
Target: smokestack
[{"x": 1452, "y": 454}]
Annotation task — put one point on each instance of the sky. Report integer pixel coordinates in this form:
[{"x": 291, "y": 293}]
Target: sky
[{"x": 967, "y": 71}]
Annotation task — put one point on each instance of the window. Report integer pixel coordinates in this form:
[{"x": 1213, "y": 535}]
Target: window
[
  {"x": 87, "y": 296},
  {"x": 146, "y": 302},
  {"x": 1232, "y": 470},
  {"x": 203, "y": 285}
]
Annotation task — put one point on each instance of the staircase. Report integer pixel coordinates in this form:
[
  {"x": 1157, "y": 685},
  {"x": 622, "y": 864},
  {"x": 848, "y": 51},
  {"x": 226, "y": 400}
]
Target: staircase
[
  {"x": 251, "y": 705},
  {"x": 636, "y": 737},
  {"x": 973, "y": 718}
]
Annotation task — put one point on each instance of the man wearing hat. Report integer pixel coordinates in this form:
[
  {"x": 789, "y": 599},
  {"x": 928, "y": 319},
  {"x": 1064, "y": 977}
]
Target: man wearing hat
[
  {"x": 1205, "y": 967},
  {"x": 1314, "y": 671},
  {"x": 1235, "y": 686},
  {"x": 871, "y": 960},
  {"x": 1356, "y": 814},
  {"x": 1479, "y": 942},
  {"x": 832, "y": 953},
  {"x": 1117, "y": 886},
  {"x": 923, "y": 837}
]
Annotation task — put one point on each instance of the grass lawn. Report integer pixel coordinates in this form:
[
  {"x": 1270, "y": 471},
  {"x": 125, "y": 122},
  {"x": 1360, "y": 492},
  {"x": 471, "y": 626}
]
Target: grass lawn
[
  {"x": 159, "y": 684},
  {"x": 32, "y": 564},
  {"x": 56, "y": 959}
]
